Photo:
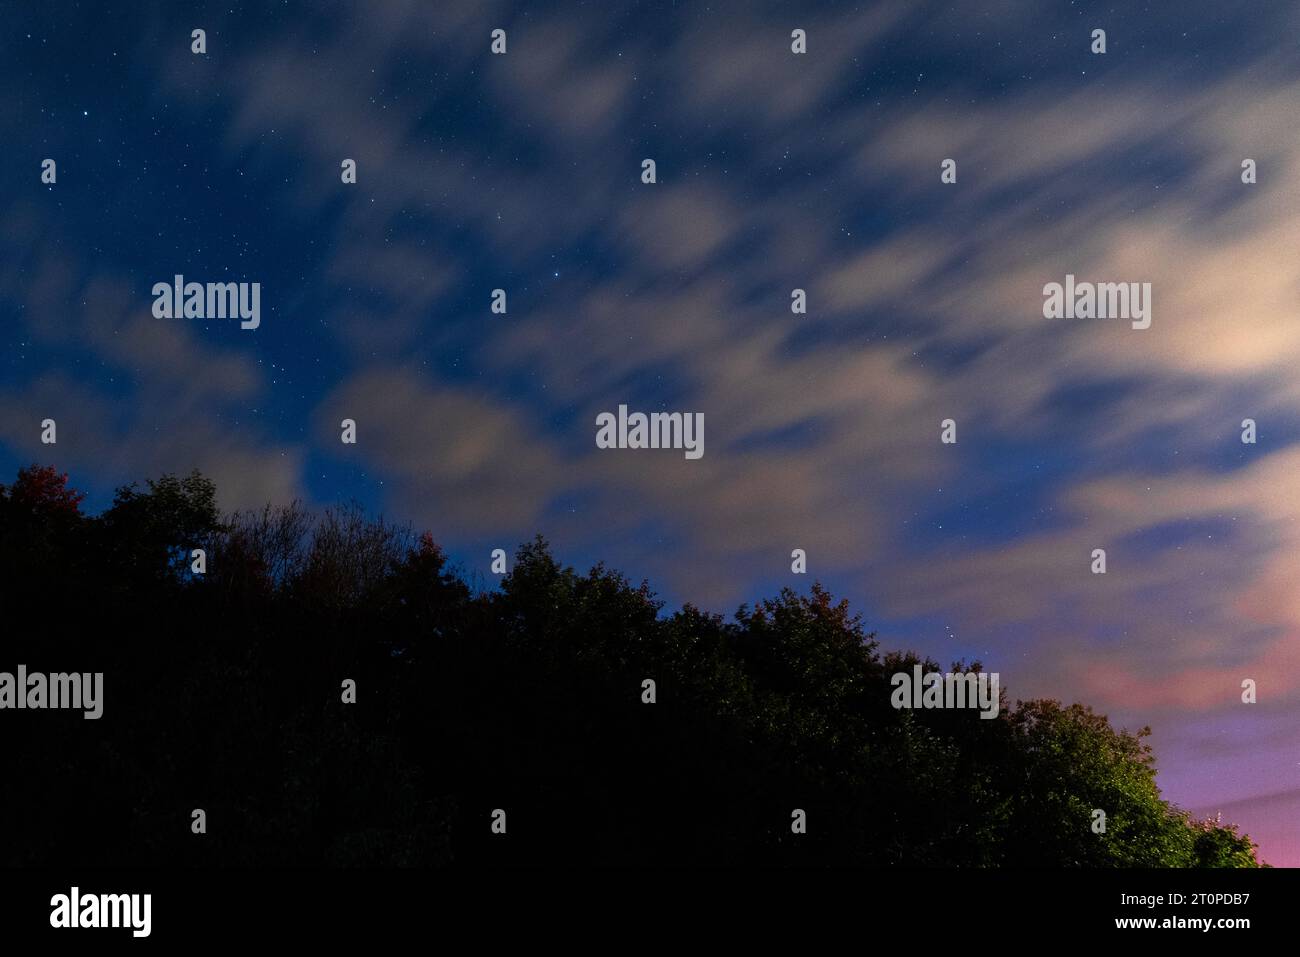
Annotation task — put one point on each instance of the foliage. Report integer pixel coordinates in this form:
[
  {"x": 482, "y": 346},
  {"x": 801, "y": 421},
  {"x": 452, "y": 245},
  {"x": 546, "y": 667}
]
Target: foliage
[{"x": 223, "y": 692}]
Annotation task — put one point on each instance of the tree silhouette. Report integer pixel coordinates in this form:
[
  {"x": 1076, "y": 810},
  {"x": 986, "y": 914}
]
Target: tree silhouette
[{"x": 223, "y": 692}]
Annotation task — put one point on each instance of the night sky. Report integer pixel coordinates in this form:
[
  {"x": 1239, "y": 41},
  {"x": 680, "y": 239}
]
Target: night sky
[{"x": 775, "y": 171}]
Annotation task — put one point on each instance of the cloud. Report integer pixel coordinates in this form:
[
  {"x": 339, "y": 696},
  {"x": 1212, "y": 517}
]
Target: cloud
[
  {"x": 458, "y": 461},
  {"x": 161, "y": 399},
  {"x": 105, "y": 439}
]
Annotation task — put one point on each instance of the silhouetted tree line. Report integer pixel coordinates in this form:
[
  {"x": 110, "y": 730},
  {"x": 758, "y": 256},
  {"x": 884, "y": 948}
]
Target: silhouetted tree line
[{"x": 222, "y": 691}]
